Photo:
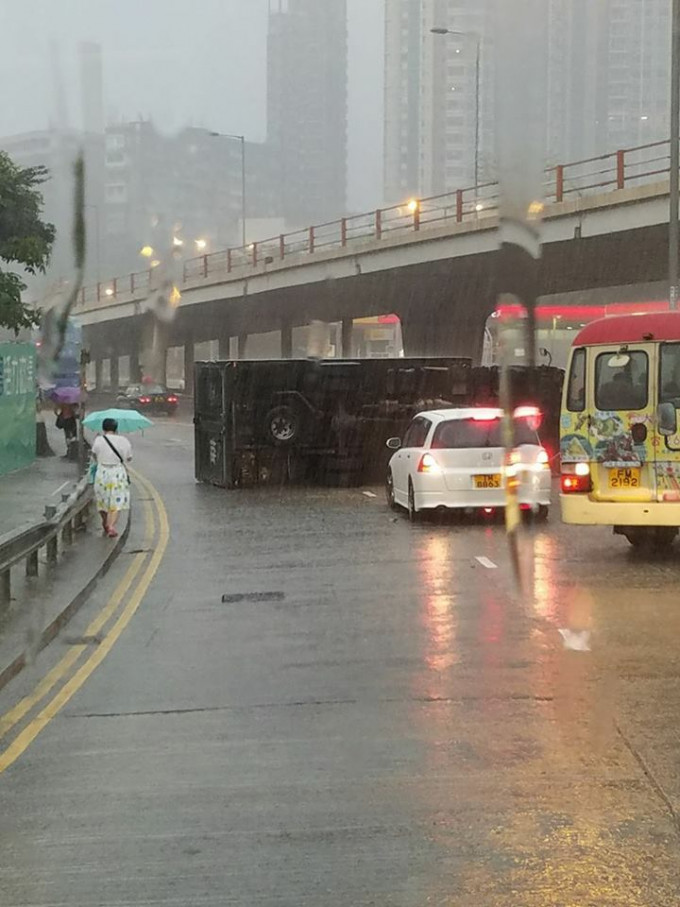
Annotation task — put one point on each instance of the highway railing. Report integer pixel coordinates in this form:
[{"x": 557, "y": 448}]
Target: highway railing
[
  {"x": 56, "y": 532},
  {"x": 563, "y": 182}
]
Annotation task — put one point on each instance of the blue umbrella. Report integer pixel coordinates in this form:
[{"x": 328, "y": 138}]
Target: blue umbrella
[{"x": 128, "y": 420}]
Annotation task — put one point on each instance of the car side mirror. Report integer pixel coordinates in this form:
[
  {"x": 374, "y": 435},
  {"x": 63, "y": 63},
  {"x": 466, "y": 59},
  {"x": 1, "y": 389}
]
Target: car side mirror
[
  {"x": 666, "y": 419},
  {"x": 394, "y": 443}
]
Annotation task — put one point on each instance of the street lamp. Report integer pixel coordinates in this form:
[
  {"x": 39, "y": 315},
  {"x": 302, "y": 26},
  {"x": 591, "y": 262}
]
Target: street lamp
[
  {"x": 242, "y": 140},
  {"x": 478, "y": 43}
]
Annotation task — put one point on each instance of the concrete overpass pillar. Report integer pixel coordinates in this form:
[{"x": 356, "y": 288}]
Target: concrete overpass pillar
[
  {"x": 224, "y": 344},
  {"x": 287, "y": 340},
  {"x": 347, "y": 338},
  {"x": 115, "y": 370},
  {"x": 189, "y": 357},
  {"x": 447, "y": 327},
  {"x": 99, "y": 373},
  {"x": 157, "y": 355},
  {"x": 135, "y": 367}
]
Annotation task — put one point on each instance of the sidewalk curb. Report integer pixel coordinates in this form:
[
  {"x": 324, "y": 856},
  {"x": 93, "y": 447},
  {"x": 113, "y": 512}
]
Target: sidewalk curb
[{"x": 59, "y": 622}]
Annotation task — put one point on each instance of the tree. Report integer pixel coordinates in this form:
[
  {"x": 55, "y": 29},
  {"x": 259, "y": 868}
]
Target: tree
[{"x": 25, "y": 240}]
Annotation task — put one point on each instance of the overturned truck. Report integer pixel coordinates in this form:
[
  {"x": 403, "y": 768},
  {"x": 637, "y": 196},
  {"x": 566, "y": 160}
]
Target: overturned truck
[{"x": 327, "y": 421}]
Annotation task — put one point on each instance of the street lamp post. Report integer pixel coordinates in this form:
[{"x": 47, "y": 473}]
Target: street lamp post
[
  {"x": 242, "y": 140},
  {"x": 478, "y": 54},
  {"x": 673, "y": 222},
  {"x": 95, "y": 208}
]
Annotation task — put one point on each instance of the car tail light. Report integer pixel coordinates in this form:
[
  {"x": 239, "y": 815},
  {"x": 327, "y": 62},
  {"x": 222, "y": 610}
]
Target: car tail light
[
  {"x": 532, "y": 414},
  {"x": 172, "y": 399},
  {"x": 428, "y": 464},
  {"x": 145, "y": 399},
  {"x": 576, "y": 478}
]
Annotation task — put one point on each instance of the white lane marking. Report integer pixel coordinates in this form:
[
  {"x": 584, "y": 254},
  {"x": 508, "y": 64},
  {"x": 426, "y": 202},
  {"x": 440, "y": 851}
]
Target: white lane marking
[
  {"x": 369, "y": 494},
  {"x": 485, "y": 562},
  {"x": 57, "y": 490},
  {"x": 576, "y": 640}
]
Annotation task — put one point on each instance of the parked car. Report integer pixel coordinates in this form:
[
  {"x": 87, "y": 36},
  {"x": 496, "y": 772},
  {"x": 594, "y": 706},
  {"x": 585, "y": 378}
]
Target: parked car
[
  {"x": 151, "y": 398},
  {"x": 454, "y": 459}
]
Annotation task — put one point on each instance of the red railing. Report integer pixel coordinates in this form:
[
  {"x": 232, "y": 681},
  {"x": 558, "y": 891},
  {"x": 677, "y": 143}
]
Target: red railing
[{"x": 607, "y": 172}]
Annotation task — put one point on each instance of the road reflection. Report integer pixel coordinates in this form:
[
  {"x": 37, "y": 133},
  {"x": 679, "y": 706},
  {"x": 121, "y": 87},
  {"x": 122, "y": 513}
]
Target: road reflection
[{"x": 439, "y": 612}]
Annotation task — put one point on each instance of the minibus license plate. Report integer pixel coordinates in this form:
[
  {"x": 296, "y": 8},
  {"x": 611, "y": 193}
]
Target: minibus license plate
[
  {"x": 626, "y": 477},
  {"x": 493, "y": 481}
]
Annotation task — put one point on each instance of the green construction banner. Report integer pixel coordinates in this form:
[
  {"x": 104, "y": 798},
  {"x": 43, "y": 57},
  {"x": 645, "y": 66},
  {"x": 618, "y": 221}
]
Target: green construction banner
[{"x": 17, "y": 405}]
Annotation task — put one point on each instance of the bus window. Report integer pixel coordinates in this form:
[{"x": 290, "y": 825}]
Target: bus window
[
  {"x": 621, "y": 386},
  {"x": 576, "y": 392},
  {"x": 669, "y": 380}
]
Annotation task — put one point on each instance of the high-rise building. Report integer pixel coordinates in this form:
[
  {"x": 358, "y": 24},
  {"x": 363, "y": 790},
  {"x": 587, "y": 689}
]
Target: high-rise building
[
  {"x": 307, "y": 107},
  {"x": 608, "y": 75},
  {"x": 438, "y": 96},
  {"x": 607, "y": 86},
  {"x": 188, "y": 185},
  {"x": 638, "y": 72}
]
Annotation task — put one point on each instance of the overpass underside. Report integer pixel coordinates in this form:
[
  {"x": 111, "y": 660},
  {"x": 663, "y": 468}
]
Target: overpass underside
[{"x": 443, "y": 305}]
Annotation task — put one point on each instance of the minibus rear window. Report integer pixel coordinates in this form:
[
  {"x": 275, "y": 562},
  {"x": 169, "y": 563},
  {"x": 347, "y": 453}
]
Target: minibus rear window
[
  {"x": 576, "y": 389},
  {"x": 621, "y": 387}
]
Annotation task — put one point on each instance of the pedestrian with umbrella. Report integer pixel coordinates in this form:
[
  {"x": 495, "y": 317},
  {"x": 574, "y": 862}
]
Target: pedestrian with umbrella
[{"x": 112, "y": 452}]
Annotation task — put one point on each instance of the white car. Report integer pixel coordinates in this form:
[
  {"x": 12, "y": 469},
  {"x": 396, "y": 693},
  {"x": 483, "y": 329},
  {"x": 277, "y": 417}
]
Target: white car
[{"x": 454, "y": 458}]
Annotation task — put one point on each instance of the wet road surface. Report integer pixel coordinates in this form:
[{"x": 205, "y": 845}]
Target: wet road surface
[{"x": 312, "y": 702}]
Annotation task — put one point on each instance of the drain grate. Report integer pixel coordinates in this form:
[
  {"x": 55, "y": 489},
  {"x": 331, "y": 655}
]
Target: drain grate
[{"x": 236, "y": 597}]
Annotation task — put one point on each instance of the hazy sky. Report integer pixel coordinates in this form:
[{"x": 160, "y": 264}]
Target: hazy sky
[{"x": 201, "y": 63}]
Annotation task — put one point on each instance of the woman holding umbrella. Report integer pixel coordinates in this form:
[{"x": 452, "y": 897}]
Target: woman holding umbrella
[{"x": 111, "y": 483}]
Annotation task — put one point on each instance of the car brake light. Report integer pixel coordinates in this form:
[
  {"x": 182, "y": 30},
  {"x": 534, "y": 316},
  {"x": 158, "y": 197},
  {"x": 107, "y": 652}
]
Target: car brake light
[
  {"x": 172, "y": 399},
  {"x": 486, "y": 415},
  {"x": 145, "y": 399},
  {"x": 428, "y": 463}
]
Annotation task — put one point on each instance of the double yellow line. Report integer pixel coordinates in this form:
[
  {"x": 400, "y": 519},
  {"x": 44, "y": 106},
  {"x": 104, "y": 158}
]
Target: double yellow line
[{"x": 126, "y": 592}]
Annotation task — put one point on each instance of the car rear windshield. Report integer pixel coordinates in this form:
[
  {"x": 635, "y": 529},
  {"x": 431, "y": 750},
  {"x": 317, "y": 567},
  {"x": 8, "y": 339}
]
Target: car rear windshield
[
  {"x": 466, "y": 433},
  {"x": 154, "y": 389}
]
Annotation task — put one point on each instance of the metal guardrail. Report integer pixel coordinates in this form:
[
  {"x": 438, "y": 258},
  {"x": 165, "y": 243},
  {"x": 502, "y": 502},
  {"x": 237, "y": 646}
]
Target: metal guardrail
[
  {"x": 60, "y": 524},
  {"x": 607, "y": 172}
]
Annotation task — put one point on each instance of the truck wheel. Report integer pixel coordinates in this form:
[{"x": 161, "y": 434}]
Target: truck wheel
[{"x": 283, "y": 425}]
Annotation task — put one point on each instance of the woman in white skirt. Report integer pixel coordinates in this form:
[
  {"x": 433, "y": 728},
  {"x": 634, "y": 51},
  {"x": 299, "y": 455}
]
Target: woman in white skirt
[{"x": 111, "y": 483}]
